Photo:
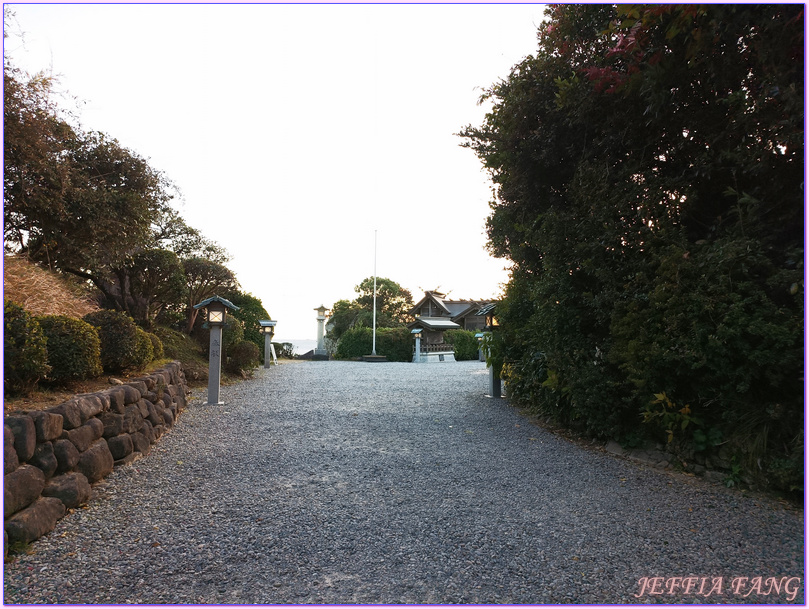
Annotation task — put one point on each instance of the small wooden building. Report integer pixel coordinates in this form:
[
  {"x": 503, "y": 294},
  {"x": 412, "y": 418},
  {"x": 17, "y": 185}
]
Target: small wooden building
[{"x": 434, "y": 314}]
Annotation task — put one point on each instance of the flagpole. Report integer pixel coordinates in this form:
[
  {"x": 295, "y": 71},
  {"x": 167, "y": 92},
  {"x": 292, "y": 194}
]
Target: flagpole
[{"x": 373, "y": 346}]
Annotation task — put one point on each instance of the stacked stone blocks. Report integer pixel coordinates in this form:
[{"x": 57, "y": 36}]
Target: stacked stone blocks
[{"x": 52, "y": 457}]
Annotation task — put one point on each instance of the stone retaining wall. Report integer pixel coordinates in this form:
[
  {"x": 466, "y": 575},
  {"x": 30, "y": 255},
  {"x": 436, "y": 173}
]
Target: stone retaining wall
[{"x": 51, "y": 457}]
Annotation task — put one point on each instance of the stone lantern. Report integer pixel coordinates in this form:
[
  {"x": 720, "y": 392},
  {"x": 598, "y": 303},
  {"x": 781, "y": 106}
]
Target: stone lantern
[
  {"x": 268, "y": 330},
  {"x": 321, "y": 335},
  {"x": 416, "y": 332},
  {"x": 492, "y": 325},
  {"x": 481, "y": 355},
  {"x": 216, "y": 307}
]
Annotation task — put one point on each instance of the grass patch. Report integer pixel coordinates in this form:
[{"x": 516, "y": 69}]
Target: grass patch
[{"x": 182, "y": 347}]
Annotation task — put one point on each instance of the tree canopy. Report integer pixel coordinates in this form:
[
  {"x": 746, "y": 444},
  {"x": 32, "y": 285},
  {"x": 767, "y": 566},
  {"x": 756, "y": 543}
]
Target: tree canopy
[
  {"x": 647, "y": 165},
  {"x": 392, "y": 305},
  {"x": 80, "y": 202}
]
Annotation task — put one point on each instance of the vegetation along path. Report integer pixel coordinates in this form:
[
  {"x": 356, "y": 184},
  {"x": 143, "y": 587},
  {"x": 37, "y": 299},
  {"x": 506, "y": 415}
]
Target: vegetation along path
[{"x": 347, "y": 482}]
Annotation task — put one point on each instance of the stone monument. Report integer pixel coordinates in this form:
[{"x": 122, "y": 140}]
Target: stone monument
[
  {"x": 321, "y": 333},
  {"x": 217, "y": 308}
]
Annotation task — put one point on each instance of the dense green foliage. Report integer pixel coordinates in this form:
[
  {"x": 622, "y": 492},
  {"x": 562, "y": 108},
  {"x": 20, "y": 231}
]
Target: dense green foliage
[
  {"x": 392, "y": 305},
  {"x": 343, "y": 316},
  {"x": 74, "y": 350},
  {"x": 122, "y": 347},
  {"x": 250, "y": 312},
  {"x": 648, "y": 164},
  {"x": 25, "y": 354},
  {"x": 464, "y": 344},
  {"x": 242, "y": 357},
  {"x": 394, "y": 343},
  {"x": 355, "y": 343},
  {"x": 177, "y": 345},
  {"x": 157, "y": 345},
  {"x": 392, "y": 301},
  {"x": 284, "y": 350},
  {"x": 232, "y": 333},
  {"x": 144, "y": 351},
  {"x": 204, "y": 278},
  {"x": 156, "y": 281}
]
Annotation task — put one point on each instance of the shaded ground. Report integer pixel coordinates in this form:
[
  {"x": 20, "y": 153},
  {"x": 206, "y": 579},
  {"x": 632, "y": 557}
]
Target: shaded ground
[{"x": 345, "y": 482}]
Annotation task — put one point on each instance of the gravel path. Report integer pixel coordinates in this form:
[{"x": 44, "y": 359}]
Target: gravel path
[{"x": 344, "y": 482}]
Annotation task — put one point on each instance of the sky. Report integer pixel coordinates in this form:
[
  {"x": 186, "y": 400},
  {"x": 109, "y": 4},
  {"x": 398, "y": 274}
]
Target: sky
[{"x": 313, "y": 142}]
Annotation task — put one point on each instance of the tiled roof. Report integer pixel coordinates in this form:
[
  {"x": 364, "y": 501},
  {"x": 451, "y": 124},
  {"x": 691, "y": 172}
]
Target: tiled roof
[
  {"x": 434, "y": 323},
  {"x": 218, "y": 299},
  {"x": 487, "y": 309}
]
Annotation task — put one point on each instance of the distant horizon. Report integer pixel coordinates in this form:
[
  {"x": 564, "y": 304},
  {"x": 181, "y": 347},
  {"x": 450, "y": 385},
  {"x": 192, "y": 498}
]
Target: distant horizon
[{"x": 300, "y": 345}]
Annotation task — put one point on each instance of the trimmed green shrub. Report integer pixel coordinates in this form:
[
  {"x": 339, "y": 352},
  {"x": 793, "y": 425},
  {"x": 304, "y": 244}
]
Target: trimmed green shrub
[
  {"x": 74, "y": 349},
  {"x": 25, "y": 354},
  {"x": 232, "y": 333},
  {"x": 144, "y": 353},
  {"x": 464, "y": 343},
  {"x": 242, "y": 357},
  {"x": 157, "y": 345},
  {"x": 250, "y": 312},
  {"x": 394, "y": 343},
  {"x": 355, "y": 342},
  {"x": 120, "y": 342}
]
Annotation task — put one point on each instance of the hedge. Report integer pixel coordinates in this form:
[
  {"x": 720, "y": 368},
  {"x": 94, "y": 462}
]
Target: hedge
[
  {"x": 121, "y": 344},
  {"x": 242, "y": 357},
  {"x": 394, "y": 343},
  {"x": 464, "y": 343},
  {"x": 25, "y": 355},
  {"x": 74, "y": 349},
  {"x": 157, "y": 346},
  {"x": 144, "y": 353}
]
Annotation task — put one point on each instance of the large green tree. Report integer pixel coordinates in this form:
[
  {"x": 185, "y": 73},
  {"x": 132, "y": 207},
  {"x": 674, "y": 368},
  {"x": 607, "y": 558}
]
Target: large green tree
[
  {"x": 648, "y": 172},
  {"x": 82, "y": 203},
  {"x": 76, "y": 201},
  {"x": 250, "y": 312},
  {"x": 392, "y": 300},
  {"x": 156, "y": 281},
  {"x": 204, "y": 278},
  {"x": 36, "y": 170},
  {"x": 392, "y": 305}
]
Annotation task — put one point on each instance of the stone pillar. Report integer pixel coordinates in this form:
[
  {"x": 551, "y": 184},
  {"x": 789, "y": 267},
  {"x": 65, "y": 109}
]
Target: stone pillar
[
  {"x": 215, "y": 364},
  {"x": 267, "y": 349},
  {"x": 417, "y": 354},
  {"x": 494, "y": 382},
  {"x": 321, "y": 334}
]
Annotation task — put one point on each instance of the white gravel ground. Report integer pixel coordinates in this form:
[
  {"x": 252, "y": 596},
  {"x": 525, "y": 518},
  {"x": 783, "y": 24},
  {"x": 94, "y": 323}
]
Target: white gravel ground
[{"x": 347, "y": 482}]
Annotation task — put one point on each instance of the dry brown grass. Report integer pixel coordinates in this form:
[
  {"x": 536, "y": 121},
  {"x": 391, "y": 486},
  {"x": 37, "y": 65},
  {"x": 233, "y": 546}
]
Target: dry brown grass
[{"x": 42, "y": 292}]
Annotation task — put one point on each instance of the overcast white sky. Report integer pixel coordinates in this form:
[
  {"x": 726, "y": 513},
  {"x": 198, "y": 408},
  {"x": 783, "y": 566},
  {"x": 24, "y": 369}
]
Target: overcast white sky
[{"x": 296, "y": 131}]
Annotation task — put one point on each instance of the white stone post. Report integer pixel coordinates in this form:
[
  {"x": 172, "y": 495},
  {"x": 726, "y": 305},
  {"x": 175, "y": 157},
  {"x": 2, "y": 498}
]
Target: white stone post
[
  {"x": 215, "y": 364},
  {"x": 321, "y": 334}
]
